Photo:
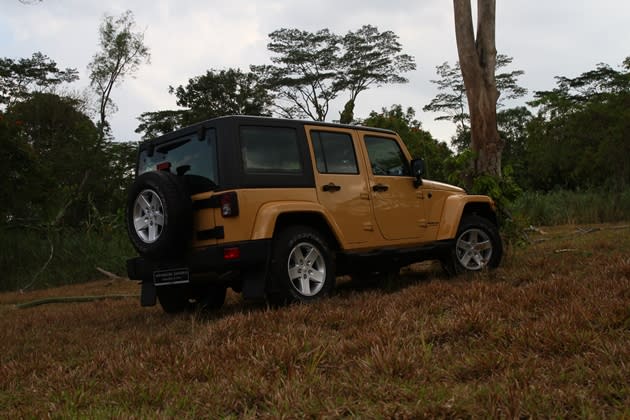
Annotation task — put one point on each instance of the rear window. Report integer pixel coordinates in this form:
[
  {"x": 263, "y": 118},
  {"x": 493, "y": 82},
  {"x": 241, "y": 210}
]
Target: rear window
[{"x": 190, "y": 157}]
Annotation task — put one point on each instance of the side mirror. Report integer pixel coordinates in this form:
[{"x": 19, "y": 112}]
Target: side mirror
[{"x": 417, "y": 170}]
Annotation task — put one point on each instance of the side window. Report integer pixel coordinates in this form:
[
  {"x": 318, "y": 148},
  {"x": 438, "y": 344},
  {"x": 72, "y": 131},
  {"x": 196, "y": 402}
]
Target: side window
[
  {"x": 386, "y": 158},
  {"x": 270, "y": 150},
  {"x": 334, "y": 153}
]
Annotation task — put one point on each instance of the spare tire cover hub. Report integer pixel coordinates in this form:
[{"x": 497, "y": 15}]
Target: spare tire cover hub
[{"x": 148, "y": 216}]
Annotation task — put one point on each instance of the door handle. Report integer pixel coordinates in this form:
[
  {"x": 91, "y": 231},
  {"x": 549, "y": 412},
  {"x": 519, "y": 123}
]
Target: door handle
[
  {"x": 331, "y": 187},
  {"x": 380, "y": 188}
]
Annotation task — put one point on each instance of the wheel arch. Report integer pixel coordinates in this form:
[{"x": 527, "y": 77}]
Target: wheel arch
[
  {"x": 273, "y": 217},
  {"x": 457, "y": 207},
  {"x": 315, "y": 220}
]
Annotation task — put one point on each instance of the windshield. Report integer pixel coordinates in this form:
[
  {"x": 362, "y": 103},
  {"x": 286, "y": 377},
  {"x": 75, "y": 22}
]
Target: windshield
[{"x": 194, "y": 159}]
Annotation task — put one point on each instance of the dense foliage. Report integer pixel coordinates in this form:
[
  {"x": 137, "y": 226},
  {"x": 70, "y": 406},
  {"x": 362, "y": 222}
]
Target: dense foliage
[
  {"x": 214, "y": 94},
  {"x": 580, "y": 137}
]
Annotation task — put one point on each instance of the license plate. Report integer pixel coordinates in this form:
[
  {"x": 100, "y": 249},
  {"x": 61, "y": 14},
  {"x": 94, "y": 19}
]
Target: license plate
[{"x": 173, "y": 276}]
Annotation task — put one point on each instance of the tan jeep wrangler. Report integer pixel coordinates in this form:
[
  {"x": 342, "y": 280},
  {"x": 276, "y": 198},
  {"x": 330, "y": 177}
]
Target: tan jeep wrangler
[{"x": 277, "y": 209}]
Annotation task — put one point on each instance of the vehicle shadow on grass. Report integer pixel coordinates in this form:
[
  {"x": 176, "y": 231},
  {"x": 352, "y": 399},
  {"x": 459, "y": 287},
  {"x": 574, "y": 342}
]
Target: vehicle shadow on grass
[
  {"x": 390, "y": 283},
  {"x": 346, "y": 286}
]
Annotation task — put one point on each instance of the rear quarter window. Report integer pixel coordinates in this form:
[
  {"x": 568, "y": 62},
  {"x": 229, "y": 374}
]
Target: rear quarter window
[{"x": 270, "y": 150}]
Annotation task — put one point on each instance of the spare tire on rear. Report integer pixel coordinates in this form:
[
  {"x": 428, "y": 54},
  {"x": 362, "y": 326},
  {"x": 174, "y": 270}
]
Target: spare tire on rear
[{"x": 159, "y": 215}]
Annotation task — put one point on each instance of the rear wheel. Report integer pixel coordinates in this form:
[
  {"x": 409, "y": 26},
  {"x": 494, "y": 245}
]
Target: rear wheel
[
  {"x": 173, "y": 299},
  {"x": 303, "y": 266},
  {"x": 177, "y": 299},
  {"x": 477, "y": 246},
  {"x": 210, "y": 297}
]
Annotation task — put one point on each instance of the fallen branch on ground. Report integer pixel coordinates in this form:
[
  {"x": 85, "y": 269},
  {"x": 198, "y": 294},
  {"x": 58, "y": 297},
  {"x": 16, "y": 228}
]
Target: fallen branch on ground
[{"x": 71, "y": 299}]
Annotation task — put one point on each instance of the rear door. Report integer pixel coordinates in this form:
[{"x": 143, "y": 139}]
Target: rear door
[
  {"x": 341, "y": 182},
  {"x": 193, "y": 158}
]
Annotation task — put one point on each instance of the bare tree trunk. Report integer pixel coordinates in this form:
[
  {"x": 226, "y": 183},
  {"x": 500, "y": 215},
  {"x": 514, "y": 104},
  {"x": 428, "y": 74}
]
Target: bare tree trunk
[{"x": 477, "y": 59}]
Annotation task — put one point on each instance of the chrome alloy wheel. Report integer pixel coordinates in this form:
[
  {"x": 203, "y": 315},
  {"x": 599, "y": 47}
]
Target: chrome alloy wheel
[
  {"x": 148, "y": 216},
  {"x": 307, "y": 269},
  {"x": 473, "y": 249}
]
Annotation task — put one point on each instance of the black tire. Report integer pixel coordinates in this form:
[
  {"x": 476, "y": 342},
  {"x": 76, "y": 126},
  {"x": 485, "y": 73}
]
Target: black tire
[
  {"x": 173, "y": 299},
  {"x": 159, "y": 215},
  {"x": 303, "y": 266},
  {"x": 477, "y": 246},
  {"x": 211, "y": 297}
]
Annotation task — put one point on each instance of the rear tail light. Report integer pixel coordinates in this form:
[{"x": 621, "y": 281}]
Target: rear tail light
[
  {"x": 164, "y": 166},
  {"x": 231, "y": 253},
  {"x": 229, "y": 204}
]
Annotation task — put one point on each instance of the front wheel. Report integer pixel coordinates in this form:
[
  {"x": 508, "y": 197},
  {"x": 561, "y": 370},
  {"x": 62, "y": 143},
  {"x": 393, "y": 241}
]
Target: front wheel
[
  {"x": 477, "y": 246},
  {"x": 303, "y": 266}
]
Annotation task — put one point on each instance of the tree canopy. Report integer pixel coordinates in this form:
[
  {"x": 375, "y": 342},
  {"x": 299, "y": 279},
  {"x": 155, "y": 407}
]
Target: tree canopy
[
  {"x": 214, "y": 94},
  {"x": 304, "y": 72},
  {"x": 18, "y": 78},
  {"x": 222, "y": 92},
  {"x": 122, "y": 50},
  {"x": 451, "y": 102},
  {"x": 579, "y": 137},
  {"x": 310, "y": 70}
]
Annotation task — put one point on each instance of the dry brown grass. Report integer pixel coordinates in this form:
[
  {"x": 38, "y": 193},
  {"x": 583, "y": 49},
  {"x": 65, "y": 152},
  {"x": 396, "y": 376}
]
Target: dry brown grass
[{"x": 546, "y": 335}]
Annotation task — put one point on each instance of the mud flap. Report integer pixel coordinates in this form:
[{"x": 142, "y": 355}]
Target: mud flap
[
  {"x": 253, "y": 280},
  {"x": 148, "y": 294}
]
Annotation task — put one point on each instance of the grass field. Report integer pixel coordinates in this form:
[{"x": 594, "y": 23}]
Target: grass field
[{"x": 545, "y": 335}]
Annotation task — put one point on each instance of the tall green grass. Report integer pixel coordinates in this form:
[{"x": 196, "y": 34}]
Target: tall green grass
[
  {"x": 76, "y": 255},
  {"x": 569, "y": 207}
]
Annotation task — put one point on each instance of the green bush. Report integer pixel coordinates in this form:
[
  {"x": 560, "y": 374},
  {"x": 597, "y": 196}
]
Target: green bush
[
  {"x": 75, "y": 256},
  {"x": 570, "y": 207}
]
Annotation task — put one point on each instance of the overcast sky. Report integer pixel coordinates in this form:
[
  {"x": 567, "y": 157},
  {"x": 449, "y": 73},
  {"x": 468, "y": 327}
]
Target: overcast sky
[{"x": 187, "y": 37}]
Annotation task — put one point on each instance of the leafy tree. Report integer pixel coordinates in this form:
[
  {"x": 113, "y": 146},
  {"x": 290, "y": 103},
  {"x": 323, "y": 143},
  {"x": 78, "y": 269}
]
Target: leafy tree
[
  {"x": 513, "y": 123},
  {"x": 18, "y": 162},
  {"x": 154, "y": 124},
  {"x": 55, "y": 173},
  {"x": 19, "y": 78},
  {"x": 419, "y": 142},
  {"x": 58, "y": 141},
  {"x": 304, "y": 72},
  {"x": 451, "y": 100},
  {"x": 579, "y": 137},
  {"x": 216, "y": 93},
  {"x": 222, "y": 92},
  {"x": 312, "y": 69},
  {"x": 370, "y": 58},
  {"x": 122, "y": 50}
]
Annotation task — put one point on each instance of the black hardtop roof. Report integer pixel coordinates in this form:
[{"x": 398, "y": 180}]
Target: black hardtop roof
[{"x": 252, "y": 119}]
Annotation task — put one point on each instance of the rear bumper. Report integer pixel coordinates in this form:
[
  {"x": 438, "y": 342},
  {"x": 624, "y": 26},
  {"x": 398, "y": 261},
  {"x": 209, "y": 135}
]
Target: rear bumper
[{"x": 208, "y": 260}]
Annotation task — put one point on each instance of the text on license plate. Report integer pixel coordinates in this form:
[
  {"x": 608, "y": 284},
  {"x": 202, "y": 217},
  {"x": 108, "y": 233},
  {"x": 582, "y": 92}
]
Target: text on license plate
[{"x": 173, "y": 276}]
